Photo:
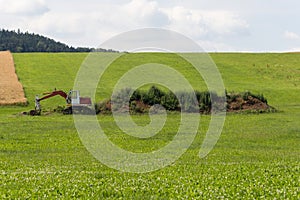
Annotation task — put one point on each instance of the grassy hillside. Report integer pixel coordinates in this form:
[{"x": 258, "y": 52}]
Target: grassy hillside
[
  {"x": 257, "y": 155},
  {"x": 43, "y": 72},
  {"x": 274, "y": 75}
]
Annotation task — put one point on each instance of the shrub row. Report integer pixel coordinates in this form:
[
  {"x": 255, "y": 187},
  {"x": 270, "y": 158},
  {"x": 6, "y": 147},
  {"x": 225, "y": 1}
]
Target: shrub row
[{"x": 140, "y": 101}]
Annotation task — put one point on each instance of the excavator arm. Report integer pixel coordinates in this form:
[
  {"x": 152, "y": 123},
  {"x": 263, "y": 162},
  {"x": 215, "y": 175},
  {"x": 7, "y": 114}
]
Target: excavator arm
[{"x": 49, "y": 95}]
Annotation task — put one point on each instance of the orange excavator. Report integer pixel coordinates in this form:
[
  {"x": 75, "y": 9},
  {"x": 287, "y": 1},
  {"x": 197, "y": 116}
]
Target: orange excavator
[{"x": 75, "y": 103}]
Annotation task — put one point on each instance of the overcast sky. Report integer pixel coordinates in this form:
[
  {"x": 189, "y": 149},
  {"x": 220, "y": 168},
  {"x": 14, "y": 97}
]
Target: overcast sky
[{"x": 217, "y": 25}]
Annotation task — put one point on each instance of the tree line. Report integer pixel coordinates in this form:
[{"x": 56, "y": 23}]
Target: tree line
[{"x": 17, "y": 41}]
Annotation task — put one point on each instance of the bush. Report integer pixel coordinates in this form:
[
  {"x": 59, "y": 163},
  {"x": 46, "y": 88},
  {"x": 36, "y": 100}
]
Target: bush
[
  {"x": 170, "y": 101},
  {"x": 120, "y": 100},
  {"x": 103, "y": 107},
  {"x": 260, "y": 97},
  {"x": 138, "y": 107},
  {"x": 155, "y": 95},
  {"x": 204, "y": 101},
  {"x": 140, "y": 101},
  {"x": 187, "y": 102}
]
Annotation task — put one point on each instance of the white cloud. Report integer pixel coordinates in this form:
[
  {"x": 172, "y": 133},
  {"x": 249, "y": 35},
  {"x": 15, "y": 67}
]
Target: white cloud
[
  {"x": 73, "y": 23},
  {"x": 100, "y": 24},
  {"x": 207, "y": 24},
  {"x": 295, "y": 49},
  {"x": 144, "y": 13},
  {"x": 212, "y": 46},
  {"x": 90, "y": 24},
  {"x": 291, "y": 35},
  {"x": 23, "y": 7}
]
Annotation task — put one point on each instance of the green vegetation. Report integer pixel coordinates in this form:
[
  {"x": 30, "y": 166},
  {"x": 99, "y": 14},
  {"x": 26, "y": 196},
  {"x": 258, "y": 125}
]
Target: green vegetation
[
  {"x": 141, "y": 101},
  {"x": 257, "y": 155}
]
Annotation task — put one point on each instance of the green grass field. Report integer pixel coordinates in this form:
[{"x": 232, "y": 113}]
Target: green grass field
[{"x": 257, "y": 155}]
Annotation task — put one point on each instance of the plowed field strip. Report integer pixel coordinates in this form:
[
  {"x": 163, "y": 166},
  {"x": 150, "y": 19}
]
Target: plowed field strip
[{"x": 11, "y": 90}]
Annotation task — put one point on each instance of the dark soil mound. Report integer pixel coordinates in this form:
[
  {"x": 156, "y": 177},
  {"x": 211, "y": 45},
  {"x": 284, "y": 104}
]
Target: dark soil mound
[{"x": 239, "y": 102}]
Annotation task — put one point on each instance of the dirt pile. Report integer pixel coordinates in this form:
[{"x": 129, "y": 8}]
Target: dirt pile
[
  {"x": 247, "y": 102},
  {"x": 11, "y": 90}
]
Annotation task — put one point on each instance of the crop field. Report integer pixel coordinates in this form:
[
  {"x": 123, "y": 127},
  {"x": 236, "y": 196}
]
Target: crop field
[
  {"x": 10, "y": 88},
  {"x": 256, "y": 157}
]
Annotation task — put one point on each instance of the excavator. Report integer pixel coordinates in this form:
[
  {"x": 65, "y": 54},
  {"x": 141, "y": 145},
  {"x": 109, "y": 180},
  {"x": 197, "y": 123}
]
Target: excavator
[{"x": 75, "y": 103}]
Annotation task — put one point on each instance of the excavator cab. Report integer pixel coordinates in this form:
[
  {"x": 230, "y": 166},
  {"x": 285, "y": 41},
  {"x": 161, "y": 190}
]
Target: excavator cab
[{"x": 73, "y": 97}]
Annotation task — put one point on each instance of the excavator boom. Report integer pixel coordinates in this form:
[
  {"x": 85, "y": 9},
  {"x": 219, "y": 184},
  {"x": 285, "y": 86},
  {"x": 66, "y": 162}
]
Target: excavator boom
[
  {"x": 54, "y": 93},
  {"x": 48, "y": 95}
]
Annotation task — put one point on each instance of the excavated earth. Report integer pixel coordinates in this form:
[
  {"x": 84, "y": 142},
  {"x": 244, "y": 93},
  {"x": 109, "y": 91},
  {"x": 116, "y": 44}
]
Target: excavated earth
[
  {"x": 11, "y": 90},
  {"x": 250, "y": 104}
]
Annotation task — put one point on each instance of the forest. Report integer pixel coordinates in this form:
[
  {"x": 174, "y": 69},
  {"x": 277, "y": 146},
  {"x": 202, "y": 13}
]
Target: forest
[{"x": 17, "y": 41}]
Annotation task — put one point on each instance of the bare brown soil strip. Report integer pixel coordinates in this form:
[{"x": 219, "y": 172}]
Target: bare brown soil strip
[{"x": 11, "y": 90}]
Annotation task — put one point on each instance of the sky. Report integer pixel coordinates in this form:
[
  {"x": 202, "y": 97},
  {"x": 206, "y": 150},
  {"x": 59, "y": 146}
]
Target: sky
[{"x": 216, "y": 25}]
